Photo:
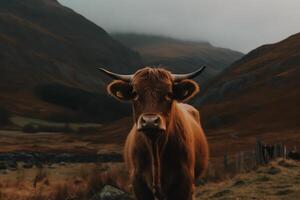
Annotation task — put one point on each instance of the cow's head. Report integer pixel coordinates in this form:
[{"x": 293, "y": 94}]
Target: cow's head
[{"x": 152, "y": 92}]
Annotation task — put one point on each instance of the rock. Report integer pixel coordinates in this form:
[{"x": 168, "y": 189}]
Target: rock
[
  {"x": 273, "y": 170},
  {"x": 286, "y": 164},
  {"x": 64, "y": 157},
  {"x": 3, "y": 166},
  {"x": 111, "y": 193},
  {"x": 222, "y": 193},
  {"x": 284, "y": 192},
  {"x": 6, "y": 156},
  {"x": 28, "y": 165},
  {"x": 263, "y": 179},
  {"x": 41, "y": 158},
  {"x": 39, "y": 165},
  {"x": 12, "y": 165},
  {"x": 239, "y": 183},
  {"x": 63, "y": 164},
  {"x": 294, "y": 155},
  {"x": 24, "y": 157}
]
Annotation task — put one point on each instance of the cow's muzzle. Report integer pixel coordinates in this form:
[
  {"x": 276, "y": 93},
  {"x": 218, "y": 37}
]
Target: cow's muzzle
[{"x": 151, "y": 122}]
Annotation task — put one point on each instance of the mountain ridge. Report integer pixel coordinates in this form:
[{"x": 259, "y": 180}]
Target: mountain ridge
[
  {"x": 179, "y": 56},
  {"x": 259, "y": 91}
]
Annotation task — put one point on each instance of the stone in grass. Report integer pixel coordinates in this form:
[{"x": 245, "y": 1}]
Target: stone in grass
[
  {"x": 281, "y": 186},
  {"x": 3, "y": 166},
  {"x": 239, "y": 183},
  {"x": 111, "y": 193},
  {"x": 273, "y": 170},
  {"x": 222, "y": 193},
  {"x": 263, "y": 179},
  {"x": 284, "y": 192},
  {"x": 28, "y": 165},
  {"x": 286, "y": 164}
]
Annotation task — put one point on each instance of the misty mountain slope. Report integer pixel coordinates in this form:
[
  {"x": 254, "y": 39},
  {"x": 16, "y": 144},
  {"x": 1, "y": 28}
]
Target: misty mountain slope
[
  {"x": 178, "y": 55},
  {"x": 42, "y": 43},
  {"x": 260, "y": 91}
]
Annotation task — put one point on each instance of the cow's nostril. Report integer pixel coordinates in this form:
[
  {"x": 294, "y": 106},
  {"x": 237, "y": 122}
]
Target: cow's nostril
[
  {"x": 150, "y": 121},
  {"x": 156, "y": 121},
  {"x": 143, "y": 120}
]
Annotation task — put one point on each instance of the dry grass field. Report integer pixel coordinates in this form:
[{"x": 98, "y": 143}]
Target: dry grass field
[
  {"x": 80, "y": 181},
  {"x": 278, "y": 180},
  {"x": 61, "y": 181}
]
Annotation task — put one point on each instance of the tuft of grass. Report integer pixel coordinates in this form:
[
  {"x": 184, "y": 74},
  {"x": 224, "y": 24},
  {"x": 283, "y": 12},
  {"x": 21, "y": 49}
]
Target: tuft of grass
[
  {"x": 60, "y": 192},
  {"x": 20, "y": 176},
  {"x": 41, "y": 174},
  {"x": 263, "y": 179},
  {"x": 284, "y": 192}
]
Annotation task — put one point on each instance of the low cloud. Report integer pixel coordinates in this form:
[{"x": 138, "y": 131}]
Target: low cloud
[{"x": 240, "y": 25}]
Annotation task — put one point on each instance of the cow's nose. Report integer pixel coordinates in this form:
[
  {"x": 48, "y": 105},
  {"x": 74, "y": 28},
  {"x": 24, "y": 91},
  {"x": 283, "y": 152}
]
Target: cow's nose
[{"x": 150, "y": 121}]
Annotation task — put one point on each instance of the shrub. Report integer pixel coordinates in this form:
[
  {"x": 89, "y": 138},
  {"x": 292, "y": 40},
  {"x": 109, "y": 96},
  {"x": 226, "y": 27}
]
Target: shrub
[
  {"x": 31, "y": 128},
  {"x": 93, "y": 107},
  {"x": 34, "y": 128},
  {"x": 4, "y": 116},
  {"x": 41, "y": 174}
]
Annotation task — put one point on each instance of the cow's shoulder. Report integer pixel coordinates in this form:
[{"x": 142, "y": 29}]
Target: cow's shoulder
[{"x": 191, "y": 110}]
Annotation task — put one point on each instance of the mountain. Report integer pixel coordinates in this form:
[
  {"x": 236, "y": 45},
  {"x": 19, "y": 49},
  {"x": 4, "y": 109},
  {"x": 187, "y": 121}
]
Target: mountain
[
  {"x": 178, "y": 55},
  {"x": 260, "y": 92},
  {"x": 46, "y": 50}
]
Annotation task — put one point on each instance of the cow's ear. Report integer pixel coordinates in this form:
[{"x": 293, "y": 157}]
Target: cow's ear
[
  {"x": 185, "y": 90},
  {"x": 121, "y": 90}
]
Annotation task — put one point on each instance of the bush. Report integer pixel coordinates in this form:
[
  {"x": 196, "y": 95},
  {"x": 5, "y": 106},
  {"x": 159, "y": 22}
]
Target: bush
[
  {"x": 31, "y": 128},
  {"x": 34, "y": 128},
  {"x": 94, "y": 107}
]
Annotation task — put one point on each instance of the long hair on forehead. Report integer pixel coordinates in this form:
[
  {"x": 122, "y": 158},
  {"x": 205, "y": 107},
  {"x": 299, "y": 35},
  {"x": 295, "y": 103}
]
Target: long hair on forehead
[{"x": 152, "y": 74}]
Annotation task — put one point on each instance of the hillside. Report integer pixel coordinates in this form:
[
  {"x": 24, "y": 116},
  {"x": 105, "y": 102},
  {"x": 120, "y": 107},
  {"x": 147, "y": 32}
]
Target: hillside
[
  {"x": 179, "y": 55},
  {"x": 278, "y": 180},
  {"x": 258, "y": 93},
  {"x": 44, "y": 44}
]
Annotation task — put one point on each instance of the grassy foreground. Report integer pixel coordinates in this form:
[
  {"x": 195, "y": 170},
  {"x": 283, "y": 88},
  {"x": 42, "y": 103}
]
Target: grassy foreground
[{"x": 278, "y": 180}]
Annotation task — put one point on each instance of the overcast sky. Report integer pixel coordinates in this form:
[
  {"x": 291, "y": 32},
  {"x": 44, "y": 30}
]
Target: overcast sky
[{"x": 237, "y": 24}]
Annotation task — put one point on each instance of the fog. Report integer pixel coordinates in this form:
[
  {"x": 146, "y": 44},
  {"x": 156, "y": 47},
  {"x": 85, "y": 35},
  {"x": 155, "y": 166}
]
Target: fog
[{"x": 237, "y": 24}]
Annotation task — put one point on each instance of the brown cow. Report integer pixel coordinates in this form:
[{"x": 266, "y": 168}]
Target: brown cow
[{"x": 166, "y": 150}]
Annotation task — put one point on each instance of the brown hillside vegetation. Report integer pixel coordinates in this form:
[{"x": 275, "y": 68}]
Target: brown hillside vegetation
[
  {"x": 278, "y": 180},
  {"x": 260, "y": 92},
  {"x": 275, "y": 181}
]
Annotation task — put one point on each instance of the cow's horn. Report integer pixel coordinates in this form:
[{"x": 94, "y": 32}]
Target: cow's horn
[
  {"x": 179, "y": 77},
  {"x": 122, "y": 77}
]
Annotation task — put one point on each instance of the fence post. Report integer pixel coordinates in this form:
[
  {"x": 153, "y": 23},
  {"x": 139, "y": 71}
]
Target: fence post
[
  {"x": 284, "y": 152},
  {"x": 275, "y": 151},
  {"x": 253, "y": 158},
  {"x": 226, "y": 162},
  {"x": 266, "y": 155},
  {"x": 242, "y": 166},
  {"x": 237, "y": 162},
  {"x": 259, "y": 152}
]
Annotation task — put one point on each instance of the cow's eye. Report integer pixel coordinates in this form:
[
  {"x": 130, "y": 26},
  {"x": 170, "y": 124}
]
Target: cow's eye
[
  {"x": 135, "y": 95},
  {"x": 168, "y": 96}
]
